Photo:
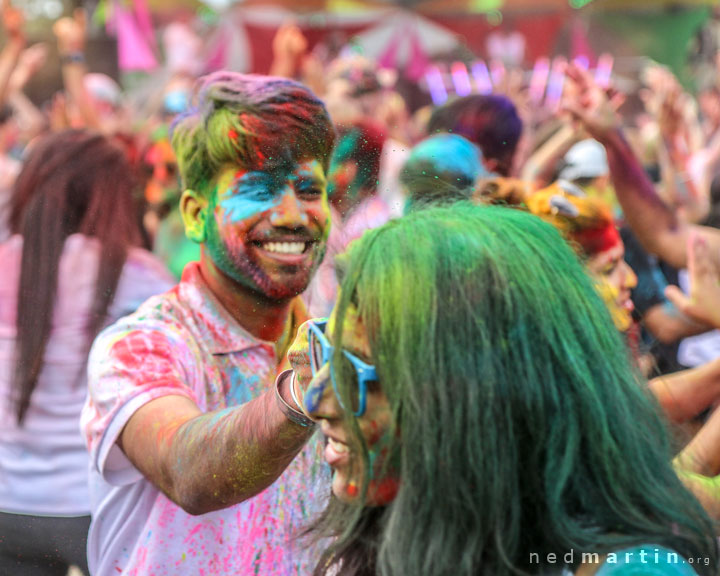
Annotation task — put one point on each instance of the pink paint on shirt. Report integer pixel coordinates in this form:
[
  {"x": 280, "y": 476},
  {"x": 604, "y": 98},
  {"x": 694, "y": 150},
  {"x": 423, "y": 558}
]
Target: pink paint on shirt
[{"x": 184, "y": 342}]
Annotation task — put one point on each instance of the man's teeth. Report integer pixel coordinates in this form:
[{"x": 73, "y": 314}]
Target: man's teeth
[
  {"x": 285, "y": 247},
  {"x": 338, "y": 447}
]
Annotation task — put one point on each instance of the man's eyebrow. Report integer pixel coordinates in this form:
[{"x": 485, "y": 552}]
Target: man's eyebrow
[
  {"x": 310, "y": 180},
  {"x": 311, "y": 177},
  {"x": 251, "y": 178}
]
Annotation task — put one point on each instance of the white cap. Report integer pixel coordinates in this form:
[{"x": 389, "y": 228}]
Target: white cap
[
  {"x": 587, "y": 159},
  {"x": 102, "y": 88}
]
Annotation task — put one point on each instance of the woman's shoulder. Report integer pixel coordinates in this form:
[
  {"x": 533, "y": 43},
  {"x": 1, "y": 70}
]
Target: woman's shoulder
[
  {"x": 647, "y": 560},
  {"x": 143, "y": 276}
]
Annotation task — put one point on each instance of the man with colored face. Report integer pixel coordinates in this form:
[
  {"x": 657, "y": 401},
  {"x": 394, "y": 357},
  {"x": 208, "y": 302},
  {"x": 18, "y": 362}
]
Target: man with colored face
[{"x": 202, "y": 461}]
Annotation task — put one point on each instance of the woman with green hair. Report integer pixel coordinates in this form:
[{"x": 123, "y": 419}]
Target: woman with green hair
[{"x": 481, "y": 413}]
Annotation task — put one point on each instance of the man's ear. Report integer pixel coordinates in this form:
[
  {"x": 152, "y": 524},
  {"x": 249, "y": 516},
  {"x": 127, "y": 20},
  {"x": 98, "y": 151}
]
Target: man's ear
[{"x": 193, "y": 210}]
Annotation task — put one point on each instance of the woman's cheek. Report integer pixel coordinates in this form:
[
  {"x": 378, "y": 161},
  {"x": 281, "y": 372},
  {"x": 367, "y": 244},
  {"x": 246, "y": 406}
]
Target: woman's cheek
[
  {"x": 384, "y": 479},
  {"x": 609, "y": 293},
  {"x": 382, "y": 492}
]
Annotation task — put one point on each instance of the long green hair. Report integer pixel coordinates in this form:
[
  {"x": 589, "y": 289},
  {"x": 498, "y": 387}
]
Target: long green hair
[{"x": 522, "y": 426}]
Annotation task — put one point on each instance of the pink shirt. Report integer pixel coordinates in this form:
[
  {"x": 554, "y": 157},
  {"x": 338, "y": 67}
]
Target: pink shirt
[
  {"x": 44, "y": 463},
  {"x": 185, "y": 343}
]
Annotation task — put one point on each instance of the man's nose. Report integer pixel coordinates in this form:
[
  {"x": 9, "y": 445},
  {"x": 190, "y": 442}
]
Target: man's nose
[
  {"x": 290, "y": 212},
  {"x": 320, "y": 401}
]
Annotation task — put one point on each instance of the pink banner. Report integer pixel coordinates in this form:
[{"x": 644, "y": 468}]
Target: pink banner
[{"x": 135, "y": 36}]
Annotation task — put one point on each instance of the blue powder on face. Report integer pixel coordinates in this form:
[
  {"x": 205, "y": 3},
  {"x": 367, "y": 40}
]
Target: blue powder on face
[{"x": 250, "y": 194}]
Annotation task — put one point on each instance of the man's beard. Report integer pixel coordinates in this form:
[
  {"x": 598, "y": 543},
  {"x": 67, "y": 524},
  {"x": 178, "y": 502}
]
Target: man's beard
[{"x": 242, "y": 268}]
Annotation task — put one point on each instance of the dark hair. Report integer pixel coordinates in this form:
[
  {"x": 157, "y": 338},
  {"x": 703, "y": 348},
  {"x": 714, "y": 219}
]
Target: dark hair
[
  {"x": 249, "y": 120},
  {"x": 518, "y": 423},
  {"x": 72, "y": 182},
  {"x": 490, "y": 121},
  {"x": 362, "y": 143}
]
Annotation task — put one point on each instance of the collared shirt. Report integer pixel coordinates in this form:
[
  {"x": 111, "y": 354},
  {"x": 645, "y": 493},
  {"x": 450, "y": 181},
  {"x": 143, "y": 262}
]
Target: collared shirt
[{"x": 185, "y": 343}]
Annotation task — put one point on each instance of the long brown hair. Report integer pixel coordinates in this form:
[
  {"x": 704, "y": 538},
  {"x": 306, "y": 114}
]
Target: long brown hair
[{"x": 72, "y": 182}]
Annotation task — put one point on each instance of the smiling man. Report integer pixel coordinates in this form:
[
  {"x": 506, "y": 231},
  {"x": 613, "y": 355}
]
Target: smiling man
[{"x": 202, "y": 462}]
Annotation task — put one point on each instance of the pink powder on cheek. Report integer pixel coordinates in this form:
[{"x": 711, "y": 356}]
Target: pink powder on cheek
[
  {"x": 383, "y": 492},
  {"x": 376, "y": 433}
]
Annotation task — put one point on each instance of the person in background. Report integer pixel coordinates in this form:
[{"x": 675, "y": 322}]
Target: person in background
[
  {"x": 355, "y": 205},
  {"x": 489, "y": 121},
  {"x": 163, "y": 219},
  {"x": 587, "y": 224},
  {"x": 72, "y": 266},
  {"x": 663, "y": 326},
  {"x": 441, "y": 169}
]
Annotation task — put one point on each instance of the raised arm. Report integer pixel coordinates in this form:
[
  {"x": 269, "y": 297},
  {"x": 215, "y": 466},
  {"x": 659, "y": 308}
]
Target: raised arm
[
  {"x": 543, "y": 160},
  {"x": 29, "y": 117},
  {"x": 683, "y": 395},
  {"x": 289, "y": 46},
  {"x": 71, "y": 36},
  {"x": 654, "y": 223},
  {"x": 13, "y": 22}
]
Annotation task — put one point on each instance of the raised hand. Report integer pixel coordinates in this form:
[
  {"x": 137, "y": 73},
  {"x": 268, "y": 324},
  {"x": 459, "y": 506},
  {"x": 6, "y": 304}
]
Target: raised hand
[
  {"x": 13, "y": 22},
  {"x": 71, "y": 32},
  {"x": 299, "y": 357},
  {"x": 703, "y": 304},
  {"x": 593, "y": 107},
  {"x": 289, "y": 46},
  {"x": 289, "y": 42}
]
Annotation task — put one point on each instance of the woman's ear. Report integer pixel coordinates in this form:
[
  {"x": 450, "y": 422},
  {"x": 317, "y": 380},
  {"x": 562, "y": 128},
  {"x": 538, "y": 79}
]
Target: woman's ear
[{"x": 192, "y": 209}]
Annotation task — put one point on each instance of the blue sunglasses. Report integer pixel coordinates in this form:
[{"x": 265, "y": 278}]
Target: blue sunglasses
[{"x": 321, "y": 353}]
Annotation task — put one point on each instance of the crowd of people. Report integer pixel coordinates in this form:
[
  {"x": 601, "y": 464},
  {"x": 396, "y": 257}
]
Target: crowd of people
[{"x": 288, "y": 325}]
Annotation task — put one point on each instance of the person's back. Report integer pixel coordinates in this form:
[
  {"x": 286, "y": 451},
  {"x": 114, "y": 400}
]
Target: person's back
[{"x": 49, "y": 311}]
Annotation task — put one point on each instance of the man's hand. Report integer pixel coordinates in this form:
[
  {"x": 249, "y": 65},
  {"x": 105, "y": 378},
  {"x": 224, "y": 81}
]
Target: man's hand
[
  {"x": 703, "y": 305},
  {"x": 595, "y": 108},
  {"x": 71, "y": 33},
  {"x": 289, "y": 46},
  {"x": 13, "y": 22},
  {"x": 299, "y": 357},
  {"x": 289, "y": 43}
]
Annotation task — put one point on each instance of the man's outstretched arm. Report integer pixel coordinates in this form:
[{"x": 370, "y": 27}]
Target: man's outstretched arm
[{"x": 206, "y": 462}]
